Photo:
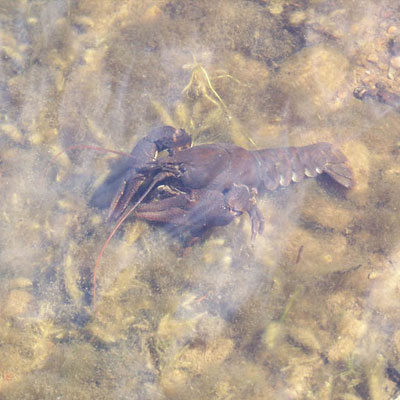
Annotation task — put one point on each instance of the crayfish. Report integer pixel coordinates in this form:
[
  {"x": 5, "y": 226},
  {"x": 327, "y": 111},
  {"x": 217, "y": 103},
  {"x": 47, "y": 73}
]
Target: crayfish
[
  {"x": 193, "y": 189},
  {"x": 196, "y": 188}
]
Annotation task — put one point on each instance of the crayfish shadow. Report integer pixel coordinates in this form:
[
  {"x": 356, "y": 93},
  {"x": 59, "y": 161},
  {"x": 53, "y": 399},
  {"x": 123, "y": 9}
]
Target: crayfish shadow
[
  {"x": 332, "y": 187},
  {"x": 104, "y": 193}
]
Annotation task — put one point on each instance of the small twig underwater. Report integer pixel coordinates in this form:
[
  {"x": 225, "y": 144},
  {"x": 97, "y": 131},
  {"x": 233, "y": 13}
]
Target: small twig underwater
[
  {"x": 200, "y": 74},
  {"x": 202, "y": 83}
]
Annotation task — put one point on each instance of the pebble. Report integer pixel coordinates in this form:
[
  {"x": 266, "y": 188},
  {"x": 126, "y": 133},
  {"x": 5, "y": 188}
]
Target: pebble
[
  {"x": 395, "y": 62},
  {"x": 17, "y": 302}
]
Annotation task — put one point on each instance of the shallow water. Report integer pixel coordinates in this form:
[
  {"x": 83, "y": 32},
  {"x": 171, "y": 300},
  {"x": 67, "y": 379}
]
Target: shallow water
[{"x": 307, "y": 311}]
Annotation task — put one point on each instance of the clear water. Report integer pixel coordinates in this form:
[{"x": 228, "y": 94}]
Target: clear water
[{"x": 308, "y": 311}]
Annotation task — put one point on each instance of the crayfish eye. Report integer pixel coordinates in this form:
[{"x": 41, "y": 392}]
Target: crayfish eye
[{"x": 234, "y": 211}]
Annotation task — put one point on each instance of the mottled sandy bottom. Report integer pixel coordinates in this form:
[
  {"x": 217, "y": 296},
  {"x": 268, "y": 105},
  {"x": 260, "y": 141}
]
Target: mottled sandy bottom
[{"x": 310, "y": 310}]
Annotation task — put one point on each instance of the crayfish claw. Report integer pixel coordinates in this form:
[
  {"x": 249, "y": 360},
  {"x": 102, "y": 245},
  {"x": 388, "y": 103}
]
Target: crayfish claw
[
  {"x": 126, "y": 192},
  {"x": 142, "y": 163}
]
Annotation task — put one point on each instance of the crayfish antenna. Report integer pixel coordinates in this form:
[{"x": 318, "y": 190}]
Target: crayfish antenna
[
  {"x": 76, "y": 147},
  {"x": 156, "y": 180}
]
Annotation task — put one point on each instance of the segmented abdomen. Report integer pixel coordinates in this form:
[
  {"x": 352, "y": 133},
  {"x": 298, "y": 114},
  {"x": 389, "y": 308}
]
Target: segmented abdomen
[{"x": 282, "y": 165}]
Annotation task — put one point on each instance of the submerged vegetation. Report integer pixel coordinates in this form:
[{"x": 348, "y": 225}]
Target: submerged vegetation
[{"x": 310, "y": 310}]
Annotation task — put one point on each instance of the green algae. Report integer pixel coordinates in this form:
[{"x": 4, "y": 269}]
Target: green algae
[{"x": 231, "y": 319}]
